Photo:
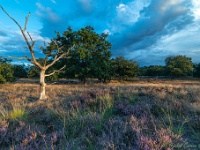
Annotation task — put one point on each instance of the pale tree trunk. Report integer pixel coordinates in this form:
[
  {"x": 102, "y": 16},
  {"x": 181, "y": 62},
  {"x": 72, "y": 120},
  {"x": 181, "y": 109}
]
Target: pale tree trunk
[
  {"x": 30, "y": 43},
  {"x": 42, "y": 85}
]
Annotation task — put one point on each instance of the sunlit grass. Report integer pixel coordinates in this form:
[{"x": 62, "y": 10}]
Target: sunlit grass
[{"x": 14, "y": 111}]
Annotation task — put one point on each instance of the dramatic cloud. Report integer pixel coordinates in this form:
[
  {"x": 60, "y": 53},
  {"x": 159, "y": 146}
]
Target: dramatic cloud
[
  {"x": 144, "y": 30},
  {"x": 157, "y": 20},
  {"x": 130, "y": 13},
  {"x": 13, "y": 44},
  {"x": 50, "y": 20},
  {"x": 196, "y": 9}
]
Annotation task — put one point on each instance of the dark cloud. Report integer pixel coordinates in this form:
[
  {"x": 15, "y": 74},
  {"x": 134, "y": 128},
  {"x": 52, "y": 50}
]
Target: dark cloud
[
  {"x": 15, "y": 47},
  {"x": 51, "y": 22},
  {"x": 77, "y": 14},
  {"x": 159, "y": 19}
]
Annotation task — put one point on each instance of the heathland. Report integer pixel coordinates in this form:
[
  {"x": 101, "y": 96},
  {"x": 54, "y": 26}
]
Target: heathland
[{"x": 153, "y": 114}]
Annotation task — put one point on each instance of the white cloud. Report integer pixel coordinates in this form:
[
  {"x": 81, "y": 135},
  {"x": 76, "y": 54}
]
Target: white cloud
[
  {"x": 196, "y": 9},
  {"x": 130, "y": 12},
  {"x": 106, "y": 31},
  {"x": 142, "y": 39},
  {"x": 47, "y": 13},
  {"x": 169, "y": 3},
  {"x": 14, "y": 44},
  {"x": 122, "y": 8},
  {"x": 176, "y": 44},
  {"x": 3, "y": 39},
  {"x": 146, "y": 30},
  {"x": 3, "y": 50},
  {"x": 38, "y": 37}
]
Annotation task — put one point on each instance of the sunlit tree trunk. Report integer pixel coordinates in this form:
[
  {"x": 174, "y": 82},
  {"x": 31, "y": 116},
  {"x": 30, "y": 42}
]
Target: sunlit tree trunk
[
  {"x": 42, "y": 85},
  {"x": 42, "y": 66}
]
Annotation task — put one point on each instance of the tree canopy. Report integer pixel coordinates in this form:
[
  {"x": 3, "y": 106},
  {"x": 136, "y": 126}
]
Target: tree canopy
[
  {"x": 179, "y": 66},
  {"x": 125, "y": 68},
  {"x": 197, "y": 70},
  {"x": 90, "y": 56},
  {"x": 153, "y": 71},
  {"x": 6, "y": 71}
]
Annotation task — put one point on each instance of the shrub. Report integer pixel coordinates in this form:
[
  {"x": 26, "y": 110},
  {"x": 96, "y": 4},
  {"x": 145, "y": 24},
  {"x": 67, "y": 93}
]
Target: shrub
[
  {"x": 7, "y": 72},
  {"x": 2, "y": 79}
]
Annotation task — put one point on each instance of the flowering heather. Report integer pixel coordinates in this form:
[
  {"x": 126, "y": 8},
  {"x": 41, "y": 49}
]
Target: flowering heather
[{"x": 123, "y": 116}]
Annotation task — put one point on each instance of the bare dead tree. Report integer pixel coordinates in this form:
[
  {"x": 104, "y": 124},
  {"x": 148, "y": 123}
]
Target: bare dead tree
[{"x": 60, "y": 53}]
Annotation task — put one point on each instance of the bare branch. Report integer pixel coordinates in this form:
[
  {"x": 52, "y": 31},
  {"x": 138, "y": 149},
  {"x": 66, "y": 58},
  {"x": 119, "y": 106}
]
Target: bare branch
[
  {"x": 55, "y": 71},
  {"x": 25, "y": 25},
  {"x": 11, "y": 17},
  {"x": 33, "y": 42},
  {"x": 30, "y": 36},
  {"x": 58, "y": 48},
  {"x": 57, "y": 57},
  {"x": 30, "y": 47},
  {"x": 17, "y": 58},
  {"x": 47, "y": 56},
  {"x": 28, "y": 58}
]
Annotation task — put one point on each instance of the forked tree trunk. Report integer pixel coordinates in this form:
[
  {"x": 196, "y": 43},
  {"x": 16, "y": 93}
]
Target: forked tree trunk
[
  {"x": 30, "y": 43},
  {"x": 42, "y": 85}
]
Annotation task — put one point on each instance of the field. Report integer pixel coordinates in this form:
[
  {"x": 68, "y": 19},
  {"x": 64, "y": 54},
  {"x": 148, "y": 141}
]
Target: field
[{"x": 147, "y": 115}]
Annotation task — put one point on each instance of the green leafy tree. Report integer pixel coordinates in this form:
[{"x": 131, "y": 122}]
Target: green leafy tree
[
  {"x": 197, "y": 70},
  {"x": 90, "y": 57},
  {"x": 125, "y": 68},
  {"x": 153, "y": 71},
  {"x": 100, "y": 56},
  {"x": 179, "y": 66},
  {"x": 20, "y": 71},
  {"x": 33, "y": 72},
  {"x": 2, "y": 79},
  {"x": 6, "y": 71}
]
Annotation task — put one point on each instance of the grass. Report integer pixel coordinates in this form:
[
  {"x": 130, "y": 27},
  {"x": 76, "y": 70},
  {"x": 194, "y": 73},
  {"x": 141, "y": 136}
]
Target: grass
[
  {"x": 15, "y": 112},
  {"x": 139, "y": 115}
]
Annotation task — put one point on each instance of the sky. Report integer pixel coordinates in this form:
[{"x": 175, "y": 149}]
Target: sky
[{"x": 146, "y": 31}]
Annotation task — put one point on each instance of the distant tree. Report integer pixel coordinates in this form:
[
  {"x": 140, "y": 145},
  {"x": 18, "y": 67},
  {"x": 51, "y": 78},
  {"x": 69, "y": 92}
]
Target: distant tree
[
  {"x": 179, "y": 66},
  {"x": 4, "y": 60},
  {"x": 6, "y": 71},
  {"x": 125, "y": 68},
  {"x": 197, "y": 70},
  {"x": 153, "y": 71},
  {"x": 20, "y": 71},
  {"x": 33, "y": 72},
  {"x": 54, "y": 52},
  {"x": 2, "y": 79}
]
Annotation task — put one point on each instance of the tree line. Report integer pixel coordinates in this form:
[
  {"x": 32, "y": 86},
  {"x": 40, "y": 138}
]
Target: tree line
[
  {"x": 104, "y": 70},
  {"x": 91, "y": 58}
]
